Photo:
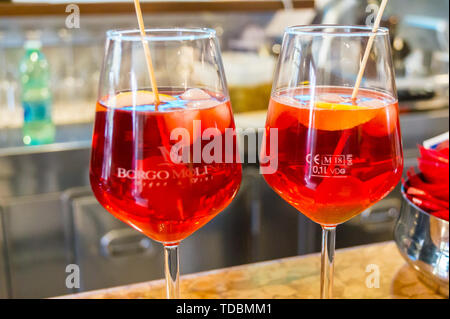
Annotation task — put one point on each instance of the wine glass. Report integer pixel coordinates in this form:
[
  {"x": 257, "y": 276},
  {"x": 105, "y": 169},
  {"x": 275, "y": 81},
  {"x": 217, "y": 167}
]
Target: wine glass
[
  {"x": 336, "y": 155},
  {"x": 164, "y": 169}
]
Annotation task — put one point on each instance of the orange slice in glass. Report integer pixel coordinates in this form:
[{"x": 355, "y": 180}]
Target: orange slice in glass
[{"x": 335, "y": 117}]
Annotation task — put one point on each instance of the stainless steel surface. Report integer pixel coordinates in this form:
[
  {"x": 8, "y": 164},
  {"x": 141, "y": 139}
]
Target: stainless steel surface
[
  {"x": 124, "y": 242},
  {"x": 31, "y": 184},
  {"x": 35, "y": 245},
  {"x": 423, "y": 241},
  {"x": 102, "y": 262}
]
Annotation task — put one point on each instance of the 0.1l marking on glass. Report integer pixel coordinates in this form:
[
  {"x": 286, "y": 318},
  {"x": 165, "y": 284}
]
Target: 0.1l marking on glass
[{"x": 329, "y": 165}]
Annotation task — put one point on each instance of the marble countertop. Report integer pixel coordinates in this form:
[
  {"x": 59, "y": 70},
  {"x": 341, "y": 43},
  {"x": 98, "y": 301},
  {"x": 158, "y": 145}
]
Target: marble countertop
[{"x": 370, "y": 271}]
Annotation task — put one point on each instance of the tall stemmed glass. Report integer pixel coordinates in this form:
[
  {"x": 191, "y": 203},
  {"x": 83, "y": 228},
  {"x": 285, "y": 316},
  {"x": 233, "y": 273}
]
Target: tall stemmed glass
[
  {"x": 165, "y": 169},
  {"x": 336, "y": 155}
]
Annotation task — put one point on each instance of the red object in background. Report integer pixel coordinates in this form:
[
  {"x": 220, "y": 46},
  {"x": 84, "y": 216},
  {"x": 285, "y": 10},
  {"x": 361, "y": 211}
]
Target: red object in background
[
  {"x": 441, "y": 214},
  {"x": 134, "y": 180},
  {"x": 429, "y": 190},
  {"x": 415, "y": 192},
  {"x": 434, "y": 165},
  {"x": 334, "y": 159},
  {"x": 426, "y": 204},
  {"x": 434, "y": 172},
  {"x": 438, "y": 190},
  {"x": 434, "y": 155}
]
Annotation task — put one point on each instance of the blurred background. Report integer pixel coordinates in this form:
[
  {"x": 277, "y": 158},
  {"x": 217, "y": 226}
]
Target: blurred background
[{"x": 48, "y": 215}]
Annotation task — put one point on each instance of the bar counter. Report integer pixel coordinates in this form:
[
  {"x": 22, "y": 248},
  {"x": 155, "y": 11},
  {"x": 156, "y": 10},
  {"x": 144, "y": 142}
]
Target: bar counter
[{"x": 295, "y": 277}]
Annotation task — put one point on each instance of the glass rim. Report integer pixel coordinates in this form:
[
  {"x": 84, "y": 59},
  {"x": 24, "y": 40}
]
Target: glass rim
[
  {"x": 338, "y": 30},
  {"x": 161, "y": 34}
]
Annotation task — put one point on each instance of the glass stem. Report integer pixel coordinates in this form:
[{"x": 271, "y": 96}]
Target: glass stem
[
  {"x": 327, "y": 267},
  {"x": 172, "y": 271}
]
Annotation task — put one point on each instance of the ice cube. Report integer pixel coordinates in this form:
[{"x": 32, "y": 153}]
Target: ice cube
[
  {"x": 195, "y": 94},
  {"x": 203, "y": 104}
]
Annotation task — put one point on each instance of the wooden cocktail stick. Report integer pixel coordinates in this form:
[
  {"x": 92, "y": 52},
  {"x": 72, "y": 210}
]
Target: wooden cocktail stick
[
  {"x": 148, "y": 57},
  {"x": 368, "y": 49}
]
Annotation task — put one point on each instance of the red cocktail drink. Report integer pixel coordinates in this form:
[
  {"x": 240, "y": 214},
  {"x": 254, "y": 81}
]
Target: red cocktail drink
[
  {"x": 336, "y": 157},
  {"x": 134, "y": 177}
]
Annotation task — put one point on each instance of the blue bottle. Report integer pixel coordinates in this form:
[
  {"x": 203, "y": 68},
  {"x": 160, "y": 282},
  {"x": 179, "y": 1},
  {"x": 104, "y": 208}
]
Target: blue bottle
[{"x": 36, "y": 96}]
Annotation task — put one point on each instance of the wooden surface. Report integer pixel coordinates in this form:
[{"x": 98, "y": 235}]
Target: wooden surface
[
  {"x": 29, "y": 9},
  {"x": 295, "y": 277}
]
